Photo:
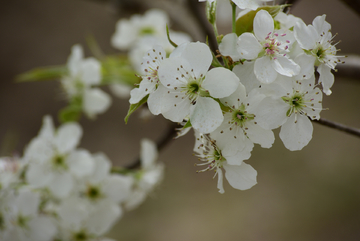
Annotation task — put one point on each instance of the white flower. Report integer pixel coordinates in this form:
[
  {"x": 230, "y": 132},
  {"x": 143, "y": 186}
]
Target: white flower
[
  {"x": 241, "y": 176},
  {"x": 268, "y": 48},
  {"x": 190, "y": 86},
  {"x": 239, "y": 130},
  {"x": 52, "y": 159},
  {"x": 83, "y": 220},
  {"x": 148, "y": 177},
  {"x": 316, "y": 40},
  {"x": 150, "y": 79},
  {"x": 101, "y": 185},
  {"x": 291, "y": 105},
  {"x": 23, "y": 221},
  {"x": 128, "y": 32},
  {"x": 83, "y": 75}
]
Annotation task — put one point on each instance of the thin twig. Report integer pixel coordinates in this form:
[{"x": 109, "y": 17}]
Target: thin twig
[
  {"x": 338, "y": 126},
  {"x": 169, "y": 135},
  {"x": 198, "y": 12}
]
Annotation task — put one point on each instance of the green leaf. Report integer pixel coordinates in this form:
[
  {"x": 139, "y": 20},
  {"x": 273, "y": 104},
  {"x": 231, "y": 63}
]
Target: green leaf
[
  {"x": 42, "y": 73},
  {"x": 70, "y": 114},
  {"x": 134, "y": 107},
  {"x": 245, "y": 22}
]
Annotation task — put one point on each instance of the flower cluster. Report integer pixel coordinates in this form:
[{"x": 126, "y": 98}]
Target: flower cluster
[
  {"x": 57, "y": 191},
  {"x": 265, "y": 79}
]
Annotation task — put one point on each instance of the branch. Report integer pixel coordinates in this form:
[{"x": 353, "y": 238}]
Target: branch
[
  {"x": 351, "y": 67},
  {"x": 169, "y": 135},
  {"x": 353, "y": 4},
  {"x": 198, "y": 12},
  {"x": 338, "y": 126}
]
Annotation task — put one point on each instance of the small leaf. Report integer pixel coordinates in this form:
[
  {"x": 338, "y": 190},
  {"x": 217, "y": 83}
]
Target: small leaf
[
  {"x": 42, "y": 73},
  {"x": 133, "y": 107},
  {"x": 69, "y": 114},
  {"x": 245, "y": 22}
]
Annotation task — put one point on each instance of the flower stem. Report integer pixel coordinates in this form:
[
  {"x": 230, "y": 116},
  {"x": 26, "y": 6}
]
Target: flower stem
[{"x": 233, "y": 6}]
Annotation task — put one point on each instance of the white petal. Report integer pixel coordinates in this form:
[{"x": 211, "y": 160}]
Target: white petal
[
  {"x": 38, "y": 175},
  {"x": 102, "y": 166},
  {"x": 135, "y": 199},
  {"x": 306, "y": 63},
  {"x": 103, "y": 218},
  {"x": 233, "y": 99},
  {"x": 264, "y": 70},
  {"x": 260, "y": 135},
  {"x": 241, "y": 177},
  {"x": 296, "y": 132},
  {"x": 170, "y": 72},
  {"x": 117, "y": 188},
  {"x": 27, "y": 202},
  {"x": 285, "y": 66},
  {"x": 156, "y": 102},
  {"x": 228, "y": 46},
  {"x": 67, "y": 137},
  {"x": 207, "y": 115},
  {"x": 263, "y": 24},
  {"x": 61, "y": 184},
  {"x": 243, "y": 153},
  {"x": 306, "y": 36},
  {"x": 91, "y": 71},
  {"x": 95, "y": 101},
  {"x": 176, "y": 109},
  {"x": 248, "y": 46},
  {"x": 246, "y": 74},
  {"x": 42, "y": 229},
  {"x": 326, "y": 78},
  {"x": 47, "y": 129},
  {"x": 270, "y": 113},
  {"x": 148, "y": 153},
  {"x": 220, "y": 183},
  {"x": 321, "y": 25},
  {"x": 220, "y": 82},
  {"x": 74, "y": 60},
  {"x": 199, "y": 56},
  {"x": 80, "y": 163}
]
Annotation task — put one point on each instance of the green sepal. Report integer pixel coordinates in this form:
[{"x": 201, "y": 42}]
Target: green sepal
[
  {"x": 211, "y": 11},
  {"x": 245, "y": 22},
  {"x": 69, "y": 114},
  {"x": 72, "y": 112},
  {"x": 42, "y": 74},
  {"x": 117, "y": 69},
  {"x": 187, "y": 124},
  {"x": 134, "y": 107},
  {"x": 168, "y": 36}
]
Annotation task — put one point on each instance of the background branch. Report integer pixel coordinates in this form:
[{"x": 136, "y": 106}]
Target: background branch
[
  {"x": 168, "y": 136},
  {"x": 338, "y": 126}
]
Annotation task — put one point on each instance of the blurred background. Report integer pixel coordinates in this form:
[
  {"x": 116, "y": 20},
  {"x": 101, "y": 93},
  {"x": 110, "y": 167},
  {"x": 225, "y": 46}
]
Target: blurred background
[{"x": 313, "y": 194}]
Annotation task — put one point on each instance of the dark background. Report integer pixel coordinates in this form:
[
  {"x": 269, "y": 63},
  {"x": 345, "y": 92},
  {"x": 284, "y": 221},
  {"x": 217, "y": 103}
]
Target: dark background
[{"x": 312, "y": 195}]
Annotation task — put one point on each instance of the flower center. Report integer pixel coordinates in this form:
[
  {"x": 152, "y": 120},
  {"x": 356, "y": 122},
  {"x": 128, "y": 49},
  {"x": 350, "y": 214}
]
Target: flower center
[
  {"x": 296, "y": 102},
  {"x": 240, "y": 116},
  {"x": 146, "y": 31},
  {"x": 93, "y": 192}
]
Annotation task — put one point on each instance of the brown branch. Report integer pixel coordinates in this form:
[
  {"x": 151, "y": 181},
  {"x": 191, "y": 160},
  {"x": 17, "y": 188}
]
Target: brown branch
[
  {"x": 168, "y": 136},
  {"x": 197, "y": 10},
  {"x": 353, "y": 4},
  {"x": 338, "y": 126}
]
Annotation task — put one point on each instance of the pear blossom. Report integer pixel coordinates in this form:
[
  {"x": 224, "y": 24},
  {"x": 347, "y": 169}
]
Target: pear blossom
[
  {"x": 148, "y": 177},
  {"x": 83, "y": 75},
  {"x": 52, "y": 159},
  {"x": 290, "y": 104},
  {"x": 190, "y": 87},
  {"x": 22, "y": 221},
  {"x": 239, "y": 131},
  {"x": 268, "y": 48},
  {"x": 316, "y": 40},
  {"x": 242, "y": 176},
  {"x": 128, "y": 32}
]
